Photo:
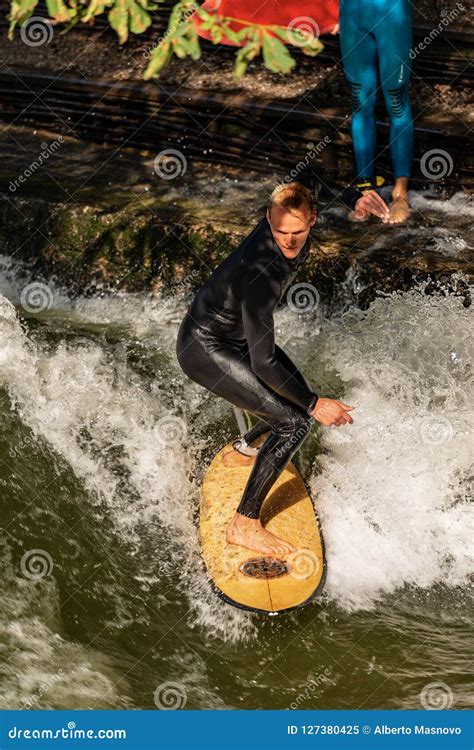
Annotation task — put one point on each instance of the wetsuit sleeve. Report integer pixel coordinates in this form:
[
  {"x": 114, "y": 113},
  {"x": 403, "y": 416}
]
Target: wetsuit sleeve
[
  {"x": 347, "y": 196},
  {"x": 260, "y": 294}
]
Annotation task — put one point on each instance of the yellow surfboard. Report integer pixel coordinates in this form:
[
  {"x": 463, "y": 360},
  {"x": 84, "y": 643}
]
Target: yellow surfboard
[{"x": 250, "y": 580}]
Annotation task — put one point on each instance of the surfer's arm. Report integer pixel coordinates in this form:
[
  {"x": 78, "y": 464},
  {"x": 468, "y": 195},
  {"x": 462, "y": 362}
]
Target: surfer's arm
[
  {"x": 347, "y": 196},
  {"x": 351, "y": 197},
  {"x": 368, "y": 202},
  {"x": 260, "y": 294}
]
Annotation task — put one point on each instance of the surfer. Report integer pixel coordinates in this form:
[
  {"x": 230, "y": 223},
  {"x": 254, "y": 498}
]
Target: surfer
[
  {"x": 371, "y": 30},
  {"x": 226, "y": 343}
]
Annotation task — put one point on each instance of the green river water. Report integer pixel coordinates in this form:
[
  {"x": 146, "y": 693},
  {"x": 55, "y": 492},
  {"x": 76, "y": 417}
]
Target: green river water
[{"x": 103, "y": 441}]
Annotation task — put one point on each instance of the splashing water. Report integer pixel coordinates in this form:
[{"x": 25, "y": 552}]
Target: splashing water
[
  {"x": 96, "y": 384},
  {"x": 394, "y": 486}
]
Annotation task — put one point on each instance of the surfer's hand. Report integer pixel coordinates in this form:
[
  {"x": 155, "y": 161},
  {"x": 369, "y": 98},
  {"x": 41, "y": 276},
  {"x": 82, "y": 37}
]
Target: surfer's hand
[
  {"x": 372, "y": 203},
  {"x": 330, "y": 412},
  {"x": 335, "y": 30}
]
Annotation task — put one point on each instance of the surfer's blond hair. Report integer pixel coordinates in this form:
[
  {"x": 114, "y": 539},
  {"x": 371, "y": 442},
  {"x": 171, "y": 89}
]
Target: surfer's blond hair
[{"x": 292, "y": 196}]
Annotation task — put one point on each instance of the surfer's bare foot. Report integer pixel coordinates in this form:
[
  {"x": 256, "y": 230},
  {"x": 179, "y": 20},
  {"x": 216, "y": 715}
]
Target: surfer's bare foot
[
  {"x": 249, "y": 533},
  {"x": 234, "y": 458},
  {"x": 399, "y": 210}
]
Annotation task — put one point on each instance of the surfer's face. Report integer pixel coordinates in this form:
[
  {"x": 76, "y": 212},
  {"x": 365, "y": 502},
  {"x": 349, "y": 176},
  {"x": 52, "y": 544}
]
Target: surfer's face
[{"x": 290, "y": 230}]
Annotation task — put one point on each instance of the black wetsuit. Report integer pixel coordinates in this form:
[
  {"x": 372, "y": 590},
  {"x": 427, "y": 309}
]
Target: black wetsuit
[{"x": 226, "y": 344}]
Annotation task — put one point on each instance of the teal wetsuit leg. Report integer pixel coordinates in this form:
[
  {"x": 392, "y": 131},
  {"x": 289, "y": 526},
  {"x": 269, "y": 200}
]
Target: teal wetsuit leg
[{"x": 382, "y": 29}]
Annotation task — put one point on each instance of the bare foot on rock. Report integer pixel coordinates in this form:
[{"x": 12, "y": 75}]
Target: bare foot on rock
[{"x": 399, "y": 210}]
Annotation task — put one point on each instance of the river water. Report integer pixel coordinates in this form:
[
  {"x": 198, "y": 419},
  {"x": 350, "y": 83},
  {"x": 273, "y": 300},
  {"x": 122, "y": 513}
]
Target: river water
[{"x": 104, "y": 600}]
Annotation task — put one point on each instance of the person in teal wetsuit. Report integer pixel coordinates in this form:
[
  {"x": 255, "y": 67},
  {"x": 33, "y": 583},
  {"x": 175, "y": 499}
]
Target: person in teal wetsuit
[{"x": 380, "y": 31}]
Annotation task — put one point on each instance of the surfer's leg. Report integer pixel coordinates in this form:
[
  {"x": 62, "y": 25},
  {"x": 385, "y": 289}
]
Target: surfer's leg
[
  {"x": 359, "y": 56},
  {"x": 286, "y": 438},
  {"x": 227, "y": 372},
  {"x": 394, "y": 40},
  {"x": 289, "y": 428},
  {"x": 247, "y": 442},
  {"x": 248, "y": 445}
]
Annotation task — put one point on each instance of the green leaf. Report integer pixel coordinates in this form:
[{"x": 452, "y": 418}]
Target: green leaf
[
  {"x": 160, "y": 57},
  {"x": 193, "y": 38},
  {"x": 282, "y": 32},
  {"x": 313, "y": 50},
  {"x": 275, "y": 55},
  {"x": 57, "y": 10},
  {"x": 118, "y": 19},
  {"x": 216, "y": 34},
  {"x": 247, "y": 31},
  {"x": 232, "y": 35},
  {"x": 309, "y": 43},
  {"x": 244, "y": 56},
  {"x": 95, "y": 8},
  {"x": 20, "y": 11},
  {"x": 139, "y": 19}
]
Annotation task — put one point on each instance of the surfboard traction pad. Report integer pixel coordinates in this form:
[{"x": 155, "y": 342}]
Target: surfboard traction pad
[{"x": 247, "y": 579}]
